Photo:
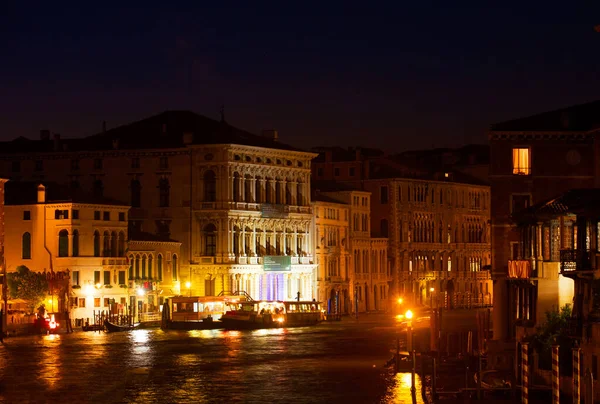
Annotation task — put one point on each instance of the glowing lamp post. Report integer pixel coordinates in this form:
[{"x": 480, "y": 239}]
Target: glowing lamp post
[
  {"x": 409, "y": 342},
  {"x": 188, "y": 285},
  {"x": 431, "y": 290}
]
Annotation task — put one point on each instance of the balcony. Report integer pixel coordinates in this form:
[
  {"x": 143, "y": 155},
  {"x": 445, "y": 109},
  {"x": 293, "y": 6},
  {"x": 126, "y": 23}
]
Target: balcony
[
  {"x": 575, "y": 261},
  {"x": 114, "y": 261},
  {"x": 519, "y": 269}
]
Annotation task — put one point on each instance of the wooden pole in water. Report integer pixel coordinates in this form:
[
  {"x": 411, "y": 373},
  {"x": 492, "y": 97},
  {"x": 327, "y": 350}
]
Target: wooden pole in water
[
  {"x": 576, "y": 376},
  {"x": 412, "y": 374},
  {"x": 434, "y": 381},
  {"x": 479, "y": 375},
  {"x": 555, "y": 375},
  {"x": 525, "y": 370},
  {"x": 398, "y": 354}
]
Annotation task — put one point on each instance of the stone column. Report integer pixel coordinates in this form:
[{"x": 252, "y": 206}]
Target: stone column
[
  {"x": 243, "y": 241},
  {"x": 253, "y": 190},
  {"x": 284, "y": 242},
  {"x": 70, "y": 247},
  {"x": 262, "y": 191},
  {"x": 294, "y": 193}
]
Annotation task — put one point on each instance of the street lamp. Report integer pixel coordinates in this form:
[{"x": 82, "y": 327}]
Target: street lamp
[
  {"x": 409, "y": 348},
  {"x": 188, "y": 285},
  {"x": 400, "y": 300},
  {"x": 431, "y": 290},
  {"x": 409, "y": 315}
]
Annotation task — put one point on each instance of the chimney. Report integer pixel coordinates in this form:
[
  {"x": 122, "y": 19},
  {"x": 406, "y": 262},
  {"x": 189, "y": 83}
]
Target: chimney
[
  {"x": 271, "y": 134},
  {"x": 357, "y": 153},
  {"x": 41, "y": 194},
  {"x": 56, "y": 141},
  {"x": 188, "y": 138},
  {"x": 115, "y": 144},
  {"x": 44, "y": 134},
  {"x": 103, "y": 126}
]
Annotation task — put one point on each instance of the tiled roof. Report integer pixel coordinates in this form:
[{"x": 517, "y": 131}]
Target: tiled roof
[
  {"x": 319, "y": 197},
  {"x": 583, "y": 117},
  {"x": 583, "y": 201},
  {"x": 25, "y": 193},
  {"x": 332, "y": 186},
  {"x": 164, "y": 130}
]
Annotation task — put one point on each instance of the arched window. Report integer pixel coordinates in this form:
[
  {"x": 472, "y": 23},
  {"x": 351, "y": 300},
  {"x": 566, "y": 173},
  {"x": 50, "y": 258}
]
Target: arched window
[
  {"x": 143, "y": 267},
  {"x": 236, "y": 241},
  {"x": 210, "y": 186},
  {"x": 257, "y": 190},
  {"x": 268, "y": 191},
  {"x": 248, "y": 190},
  {"x": 98, "y": 190},
  {"x": 150, "y": 274},
  {"x": 137, "y": 267},
  {"x": 131, "y": 260},
  {"x": 384, "y": 228},
  {"x": 121, "y": 251},
  {"x": 26, "y": 246},
  {"x": 159, "y": 267},
  {"x": 210, "y": 240},
  {"x": 106, "y": 245},
  {"x": 278, "y": 191},
  {"x": 299, "y": 194},
  {"x": 63, "y": 243},
  {"x": 164, "y": 192},
  {"x": 288, "y": 192},
  {"x": 236, "y": 187},
  {"x": 96, "y": 244},
  {"x": 136, "y": 194},
  {"x": 75, "y": 251},
  {"x": 175, "y": 267},
  {"x": 113, "y": 244}
]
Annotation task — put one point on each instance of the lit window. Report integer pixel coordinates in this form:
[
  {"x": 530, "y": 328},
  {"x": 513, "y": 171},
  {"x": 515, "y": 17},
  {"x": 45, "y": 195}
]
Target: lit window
[{"x": 522, "y": 161}]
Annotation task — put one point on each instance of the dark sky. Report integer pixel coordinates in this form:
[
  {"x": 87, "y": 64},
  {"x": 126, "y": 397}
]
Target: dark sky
[{"x": 404, "y": 76}]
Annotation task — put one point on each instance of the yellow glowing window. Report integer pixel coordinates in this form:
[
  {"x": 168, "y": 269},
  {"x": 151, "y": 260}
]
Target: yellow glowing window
[{"x": 521, "y": 161}]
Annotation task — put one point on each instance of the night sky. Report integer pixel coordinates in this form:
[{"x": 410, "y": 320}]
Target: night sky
[{"x": 413, "y": 75}]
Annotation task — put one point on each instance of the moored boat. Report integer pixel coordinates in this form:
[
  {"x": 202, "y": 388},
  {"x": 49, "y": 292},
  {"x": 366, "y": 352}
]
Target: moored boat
[
  {"x": 271, "y": 314},
  {"x": 111, "y": 327}
]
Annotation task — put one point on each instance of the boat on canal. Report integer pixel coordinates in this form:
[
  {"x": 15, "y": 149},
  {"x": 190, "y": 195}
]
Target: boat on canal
[
  {"x": 271, "y": 314},
  {"x": 112, "y": 327}
]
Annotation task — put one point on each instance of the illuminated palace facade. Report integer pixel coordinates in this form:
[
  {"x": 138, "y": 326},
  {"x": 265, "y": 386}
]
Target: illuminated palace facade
[
  {"x": 354, "y": 272},
  {"x": 238, "y": 203},
  {"x": 437, "y": 225}
]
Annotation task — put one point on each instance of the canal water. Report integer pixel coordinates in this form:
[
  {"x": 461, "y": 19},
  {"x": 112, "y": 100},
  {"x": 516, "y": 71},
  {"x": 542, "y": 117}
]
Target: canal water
[{"x": 328, "y": 363}]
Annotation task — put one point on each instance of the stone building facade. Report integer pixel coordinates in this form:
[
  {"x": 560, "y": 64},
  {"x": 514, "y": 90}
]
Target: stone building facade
[
  {"x": 534, "y": 160},
  {"x": 69, "y": 238},
  {"x": 437, "y": 224},
  {"x": 342, "y": 219},
  {"x": 238, "y": 203}
]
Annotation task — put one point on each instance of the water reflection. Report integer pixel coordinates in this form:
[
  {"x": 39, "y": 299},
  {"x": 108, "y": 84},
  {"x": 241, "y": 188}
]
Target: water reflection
[
  {"x": 399, "y": 391},
  {"x": 328, "y": 363}
]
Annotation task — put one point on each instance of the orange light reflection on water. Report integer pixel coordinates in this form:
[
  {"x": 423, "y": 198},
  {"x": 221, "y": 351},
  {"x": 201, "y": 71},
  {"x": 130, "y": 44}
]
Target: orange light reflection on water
[{"x": 400, "y": 390}]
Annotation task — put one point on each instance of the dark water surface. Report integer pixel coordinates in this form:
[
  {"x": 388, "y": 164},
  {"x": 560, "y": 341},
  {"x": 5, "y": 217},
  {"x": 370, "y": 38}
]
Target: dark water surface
[{"x": 328, "y": 363}]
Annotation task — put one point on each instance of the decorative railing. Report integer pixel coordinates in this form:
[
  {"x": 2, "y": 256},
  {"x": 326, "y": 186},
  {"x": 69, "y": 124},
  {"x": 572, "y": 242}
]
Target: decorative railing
[{"x": 575, "y": 260}]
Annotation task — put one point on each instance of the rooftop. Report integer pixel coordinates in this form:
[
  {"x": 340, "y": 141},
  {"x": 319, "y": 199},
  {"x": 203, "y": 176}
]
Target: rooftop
[
  {"x": 25, "y": 193},
  {"x": 581, "y": 201},
  {"x": 576, "y": 118},
  {"x": 165, "y": 130}
]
